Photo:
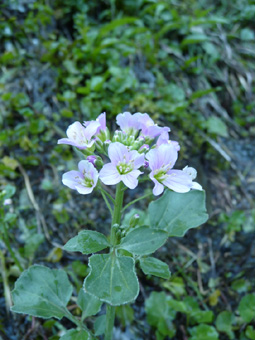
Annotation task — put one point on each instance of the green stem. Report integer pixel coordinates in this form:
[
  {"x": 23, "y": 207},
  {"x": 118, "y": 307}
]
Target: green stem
[
  {"x": 107, "y": 202},
  {"x": 110, "y": 315},
  {"x": 76, "y": 321},
  {"x": 107, "y": 194},
  {"x": 8, "y": 246},
  {"x": 136, "y": 200},
  {"x": 116, "y": 218}
]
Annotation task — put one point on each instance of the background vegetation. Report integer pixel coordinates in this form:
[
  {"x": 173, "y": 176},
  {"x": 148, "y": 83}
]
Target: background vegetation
[{"x": 190, "y": 65}]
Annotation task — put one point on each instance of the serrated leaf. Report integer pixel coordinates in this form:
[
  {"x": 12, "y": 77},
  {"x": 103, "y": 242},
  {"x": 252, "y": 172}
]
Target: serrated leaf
[
  {"x": 143, "y": 240},
  {"x": 247, "y": 308},
  {"x": 74, "y": 334},
  {"x": 42, "y": 292},
  {"x": 87, "y": 242},
  {"x": 177, "y": 213},
  {"x": 89, "y": 304},
  {"x": 112, "y": 279},
  {"x": 153, "y": 266}
]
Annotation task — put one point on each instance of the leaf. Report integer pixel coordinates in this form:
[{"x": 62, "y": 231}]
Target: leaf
[
  {"x": 201, "y": 93},
  {"x": 159, "y": 313},
  {"x": 100, "y": 324},
  {"x": 143, "y": 240},
  {"x": 125, "y": 314},
  {"x": 224, "y": 323},
  {"x": 116, "y": 23},
  {"x": 176, "y": 213},
  {"x": 247, "y": 307},
  {"x": 74, "y": 334},
  {"x": 89, "y": 304},
  {"x": 87, "y": 242},
  {"x": 202, "y": 332},
  {"x": 217, "y": 126},
  {"x": 112, "y": 279},
  {"x": 153, "y": 266},
  {"x": 195, "y": 38},
  {"x": 250, "y": 332},
  {"x": 42, "y": 292}
]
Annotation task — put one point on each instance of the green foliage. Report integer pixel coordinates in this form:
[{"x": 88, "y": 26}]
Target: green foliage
[
  {"x": 87, "y": 242},
  {"x": 42, "y": 292},
  {"x": 143, "y": 240},
  {"x": 89, "y": 304},
  {"x": 247, "y": 307},
  {"x": 203, "y": 331},
  {"x": 176, "y": 213},
  {"x": 160, "y": 315},
  {"x": 224, "y": 323},
  {"x": 153, "y": 266},
  {"x": 112, "y": 279},
  {"x": 73, "y": 334}
]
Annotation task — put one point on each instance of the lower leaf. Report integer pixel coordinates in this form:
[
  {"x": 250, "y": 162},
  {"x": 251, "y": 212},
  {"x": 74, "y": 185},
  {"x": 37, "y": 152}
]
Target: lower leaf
[{"x": 112, "y": 279}]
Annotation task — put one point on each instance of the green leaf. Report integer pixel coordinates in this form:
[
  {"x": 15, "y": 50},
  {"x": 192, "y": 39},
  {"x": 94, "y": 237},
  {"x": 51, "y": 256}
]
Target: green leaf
[
  {"x": 201, "y": 93},
  {"x": 202, "y": 332},
  {"x": 153, "y": 266},
  {"x": 217, "y": 126},
  {"x": 42, "y": 292},
  {"x": 195, "y": 38},
  {"x": 125, "y": 314},
  {"x": 224, "y": 323},
  {"x": 159, "y": 313},
  {"x": 247, "y": 307},
  {"x": 112, "y": 279},
  {"x": 100, "y": 324},
  {"x": 87, "y": 242},
  {"x": 89, "y": 304},
  {"x": 176, "y": 213},
  {"x": 250, "y": 333},
  {"x": 143, "y": 240},
  {"x": 74, "y": 334}
]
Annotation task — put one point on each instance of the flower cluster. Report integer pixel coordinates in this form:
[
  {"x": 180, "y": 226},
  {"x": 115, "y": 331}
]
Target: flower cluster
[{"x": 139, "y": 144}]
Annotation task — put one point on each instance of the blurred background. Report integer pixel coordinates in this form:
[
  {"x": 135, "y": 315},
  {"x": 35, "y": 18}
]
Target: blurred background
[{"x": 189, "y": 65}]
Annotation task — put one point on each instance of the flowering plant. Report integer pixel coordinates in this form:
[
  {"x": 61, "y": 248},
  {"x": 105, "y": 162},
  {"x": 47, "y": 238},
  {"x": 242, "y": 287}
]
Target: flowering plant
[{"x": 139, "y": 150}]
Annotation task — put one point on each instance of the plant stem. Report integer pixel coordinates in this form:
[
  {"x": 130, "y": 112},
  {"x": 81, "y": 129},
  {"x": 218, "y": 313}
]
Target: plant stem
[
  {"x": 116, "y": 218},
  {"x": 110, "y": 315},
  {"x": 136, "y": 200},
  {"x": 107, "y": 202},
  {"x": 76, "y": 321}
]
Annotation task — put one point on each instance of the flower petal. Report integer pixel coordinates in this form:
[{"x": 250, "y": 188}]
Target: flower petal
[
  {"x": 116, "y": 152},
  {"x": 84, "y": 190},
  {"x": 158, "y": 187},
  {"x": 109, "y": 175},
  {"x": 71, "y": 178},
  {"x": 130, "y": 179},
  {"x": 178, "y": 181}
]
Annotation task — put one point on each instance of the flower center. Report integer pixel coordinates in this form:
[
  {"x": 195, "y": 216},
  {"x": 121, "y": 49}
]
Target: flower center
[
  {"x": 88, "y": 181},
  {"x": 125, "y": 167},
  {"x": 161, "y": 174}
]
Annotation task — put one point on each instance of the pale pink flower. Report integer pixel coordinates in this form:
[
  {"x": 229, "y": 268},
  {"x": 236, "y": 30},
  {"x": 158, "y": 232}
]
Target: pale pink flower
[
  {"x": 101, "y": 119},
  {"x": 164, "y": 139},
  {"x": 161, "y": 161},
  {"x": 123, "y": 167},
  {"x": 128, "y": 123},
  {"x": 84, "y": 180},
  {"x": 192, "y": 173},
  {"x": 80, "y": 136},
  {"x": 148, "y": 127}
]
